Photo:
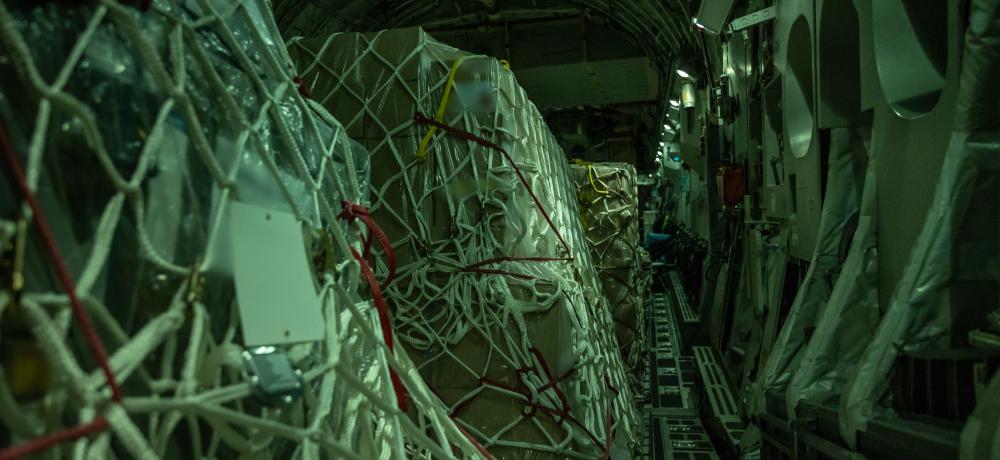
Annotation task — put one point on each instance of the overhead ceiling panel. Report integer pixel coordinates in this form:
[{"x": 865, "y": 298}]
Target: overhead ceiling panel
[{"x": 594, "y": 83}]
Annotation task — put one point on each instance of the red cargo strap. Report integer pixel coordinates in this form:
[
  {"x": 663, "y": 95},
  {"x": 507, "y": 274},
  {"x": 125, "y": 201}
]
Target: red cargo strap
[
  {"x": 40, "y": 444},
  {"x": 453, "y": 416},
  {"x": 476, "y": 444},
  {"x": 301, "y": 84},
  {"x": 562, "y": 414},
  {"x": 80, "y": 315},
  {"x": 478, "y": 266},
  {"x": 531, "y": 407},
  {"x": 609, "y": 434},
  {"x": 420, "y": 118},
  {"x": 352, "y": 211}
]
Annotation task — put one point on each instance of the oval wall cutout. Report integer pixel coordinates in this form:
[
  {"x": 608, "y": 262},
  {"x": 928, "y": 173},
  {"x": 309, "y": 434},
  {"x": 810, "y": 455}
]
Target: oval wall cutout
[
  {"x": 911, "y": 53},
  {"x": 797, "y": 86}
]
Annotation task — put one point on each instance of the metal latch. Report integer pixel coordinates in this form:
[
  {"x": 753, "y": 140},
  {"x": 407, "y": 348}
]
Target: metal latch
[{"x": 272, "y": 377}]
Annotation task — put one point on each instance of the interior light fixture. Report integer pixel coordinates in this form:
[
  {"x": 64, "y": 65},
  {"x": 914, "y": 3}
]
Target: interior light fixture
[
  {"x": 688, "y": 96},
  {"x": 662, "y": 144},
  {"x": 675, "y": 103},
  {"x": 683, "y": 74}
]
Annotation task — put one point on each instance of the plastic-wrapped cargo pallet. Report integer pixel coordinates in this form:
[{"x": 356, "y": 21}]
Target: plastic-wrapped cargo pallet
[
  {"x": 171, "y": 176},
  {"x": 495, "y": 294},
  {"x": 609, "y": 209}
]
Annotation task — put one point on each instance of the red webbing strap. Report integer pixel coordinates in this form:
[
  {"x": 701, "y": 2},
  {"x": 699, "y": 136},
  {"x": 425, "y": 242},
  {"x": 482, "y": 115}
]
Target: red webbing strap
[
  {"x": 301, "y": 84},
  {"x": 472, "y": 267},
  {"x": 40, "y": 444},
  {"x": 402, "y": 397},
  {"x": 563, "y": 414},
  {"x": 55, "y": 256},
  {"x": 558, "y": 415},
  {"x": 353, "y": 211},
  {"x": 553, "y": 381},
  {"x": 609, "y": 434},
  {"x": 478, "y": 446},
  {"x": 420, "y": 118},
  {"x": 477, "y": 267},
  {"x": 80, "y": 315},
  {"x": 453, "y": 414},
  {"x": 494, "y": 271},
  {"x": 380, "y": 304},
  {"x": 350, "y": 212}
]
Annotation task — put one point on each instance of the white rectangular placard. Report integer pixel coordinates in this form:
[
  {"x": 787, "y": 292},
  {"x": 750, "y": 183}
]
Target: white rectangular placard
[{"x": 274, "y": 286}]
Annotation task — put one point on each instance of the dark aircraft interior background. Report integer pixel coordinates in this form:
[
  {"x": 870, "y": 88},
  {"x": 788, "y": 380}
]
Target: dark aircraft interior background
[{"x": 500, "y": 229}]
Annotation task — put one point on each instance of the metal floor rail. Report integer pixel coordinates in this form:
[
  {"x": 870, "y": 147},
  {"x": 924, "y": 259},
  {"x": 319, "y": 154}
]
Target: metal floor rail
[
  {"x": 688, "y": 315},
  {"x": 716, "y": 388},
  {"x": 674, "y": 427}
]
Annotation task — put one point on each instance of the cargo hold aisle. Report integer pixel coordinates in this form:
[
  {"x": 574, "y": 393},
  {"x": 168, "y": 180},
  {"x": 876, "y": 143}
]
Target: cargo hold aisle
[{"x": 685, "y": 384}]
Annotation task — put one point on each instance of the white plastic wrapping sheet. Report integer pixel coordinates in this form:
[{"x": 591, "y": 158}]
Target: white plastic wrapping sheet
[
  {"x": 919, "y": 314},
  {"x": 743, "y": 326},
  {"x": 847, "y": 322},
  {"x": 981, "y": 434},
  {"x": 841, "y": 202},
  {"x": 765, "y": 270}
]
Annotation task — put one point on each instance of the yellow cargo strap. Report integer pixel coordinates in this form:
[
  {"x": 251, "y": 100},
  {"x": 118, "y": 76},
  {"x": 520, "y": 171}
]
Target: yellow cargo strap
[
  {"x": 590, "y": 175},
  {"x": 505, "y": 63},
  {"x": 439, "y": 115}
]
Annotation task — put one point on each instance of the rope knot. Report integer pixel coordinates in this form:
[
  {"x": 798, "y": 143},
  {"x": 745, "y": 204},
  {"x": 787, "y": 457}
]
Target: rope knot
[
  {"x": 301, "y": 84},
  {"x": 351, "y": 211}
]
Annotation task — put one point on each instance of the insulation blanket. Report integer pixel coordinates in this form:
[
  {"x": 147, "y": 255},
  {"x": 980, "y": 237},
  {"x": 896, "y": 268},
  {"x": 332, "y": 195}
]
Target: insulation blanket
[
  {"x": 495, "y": 294},
  {"x": 846, "y": 323},
  {"x": 609, "y": 210},
  {"x": 847, "y": 156},
  {"x": 946, "y": 286}
]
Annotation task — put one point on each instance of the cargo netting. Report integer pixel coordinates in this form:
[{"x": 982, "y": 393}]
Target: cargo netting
[
  {"x": 609, "y": 210},
  {"x": 495, "y": 294},
  {"x": 127, "y": 132}
]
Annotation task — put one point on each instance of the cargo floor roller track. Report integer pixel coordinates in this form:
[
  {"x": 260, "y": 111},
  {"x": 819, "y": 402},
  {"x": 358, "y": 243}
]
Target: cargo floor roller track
[{"x": 673, "y": 425}]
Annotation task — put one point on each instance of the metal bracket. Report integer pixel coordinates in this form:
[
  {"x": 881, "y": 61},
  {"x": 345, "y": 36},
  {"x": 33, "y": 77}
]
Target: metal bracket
[
  {"x": 753, "y": 19},
  {"x": 273, "y": 379}
]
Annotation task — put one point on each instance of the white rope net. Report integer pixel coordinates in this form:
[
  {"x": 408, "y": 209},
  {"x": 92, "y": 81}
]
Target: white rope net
[
  {"x": 609, "y": 209},
  {"x": 496, "y": 296},
  {"x": 135, "y": 129}
]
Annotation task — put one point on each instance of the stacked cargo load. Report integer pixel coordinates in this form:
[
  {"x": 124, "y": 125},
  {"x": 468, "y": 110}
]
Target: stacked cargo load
[
  {"x": 495, "y": 295},
  {"x": 609, "y": 210},
  {"x": 178, "y": 240}
]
